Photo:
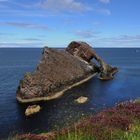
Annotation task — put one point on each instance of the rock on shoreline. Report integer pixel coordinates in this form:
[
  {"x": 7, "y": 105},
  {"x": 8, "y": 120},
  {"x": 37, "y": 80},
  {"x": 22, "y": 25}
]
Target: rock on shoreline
[
  {"x": 32, "y": 110},
  {"x": 81, "y": 100}
]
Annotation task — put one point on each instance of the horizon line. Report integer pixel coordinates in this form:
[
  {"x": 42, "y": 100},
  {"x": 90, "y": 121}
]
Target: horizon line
[{"x": 66, "y": 47}]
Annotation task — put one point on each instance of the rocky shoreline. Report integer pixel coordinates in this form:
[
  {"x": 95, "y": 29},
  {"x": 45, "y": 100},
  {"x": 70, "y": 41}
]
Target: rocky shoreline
[{"x": 119, "y": 122}]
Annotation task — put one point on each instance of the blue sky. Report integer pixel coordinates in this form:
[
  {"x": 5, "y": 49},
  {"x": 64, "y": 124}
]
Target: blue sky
[{"x": 55, "y": 23}]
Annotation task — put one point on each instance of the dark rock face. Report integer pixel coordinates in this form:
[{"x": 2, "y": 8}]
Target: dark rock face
[
  {"x": 56, "y": 71},
  {"x": 80, "y": 49},
  {"x": 86, "y": 52}
]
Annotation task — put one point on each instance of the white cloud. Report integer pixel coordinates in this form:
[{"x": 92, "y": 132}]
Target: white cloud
[
  {"x": 32, "y": 39},
  {"x": 105, "y": 1},
  {"x": 43, "y": 8},
  {"x": 24, "y": 25},
  {"x": 19, "y": 44},
  {"x": 86, "y": 33},
  {"x": 118, "y": 41},
  {"x": 3, "y": 0},
  {"x": 63, "y": 5},
  {"x": 123, "y": 38},
  {"x": 103, "y": 11}
]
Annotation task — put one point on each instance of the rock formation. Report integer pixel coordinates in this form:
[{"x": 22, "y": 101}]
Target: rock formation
[
  {"x": 32, "y": 110},
  {"x": 57, "y": 71},
  {"x": 81, "y": 100},
  {"x": 60, "y": 70},
  {"x": 86, "y": 52}
]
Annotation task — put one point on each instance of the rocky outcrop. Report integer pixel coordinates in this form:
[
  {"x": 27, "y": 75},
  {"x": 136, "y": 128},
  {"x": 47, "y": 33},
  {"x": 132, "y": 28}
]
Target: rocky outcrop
[
  {"x": 86, "y": 52},
  {"x": 57, "y": 71},
  {"x": 81, "y": 100},
  {"x": 60, "y": 70},
  {"x": 33, "y": 109},
  {"x": 80, "y": 49}
]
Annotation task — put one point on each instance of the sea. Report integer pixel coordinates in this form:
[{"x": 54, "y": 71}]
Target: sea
[{"x": 62, "y": 112}]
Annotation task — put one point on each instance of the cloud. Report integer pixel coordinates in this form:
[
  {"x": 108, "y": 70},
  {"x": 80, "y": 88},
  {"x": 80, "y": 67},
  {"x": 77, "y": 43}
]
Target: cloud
[
  {"x": 103, "y": 11},
  {"x": 96, "y": 23},
  {"x": 3, "y": 0},
  {"x": 7, "y": 34},
  {"x": 43, "y": 8},
  {"x": 25, "y": 25},
  {"x": 20, "y": 44},
  {"x": 123, "y": 38},
  {"x": 86, "y": 33},
  {"x": 2, "y": 5},
  {"x": 119, "y": 41},
  {"x": 63, "y": 5},
  {"x": 105, "y": 1},
  {"x": 49, "y": 5},
  {"x": 32, "y": 39},
  {"x": 1, "y": 34}
]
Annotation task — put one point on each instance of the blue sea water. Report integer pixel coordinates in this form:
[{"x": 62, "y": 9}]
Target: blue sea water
[{"x": 63, "y": 111}]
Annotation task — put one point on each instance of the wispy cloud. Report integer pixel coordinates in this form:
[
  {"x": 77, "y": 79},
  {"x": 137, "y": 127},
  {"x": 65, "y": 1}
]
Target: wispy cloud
[
  {"x": 123, "y": 38},
  {"x": 63, "y": 5},
  {"x": 43, "y": 8},
  {"x": 50, "y": 5},
  {"x": 105, "y": 1},
  {"x": 25, "y": 25},
  {"x": 19, "y": 44},
  {"x": 119, "y": 41},
  {"x": 103, "y": 11},
  {"x": 33, "y": 39},
  {"x": 1, "y": 34},
  {"x": 86, "y": 33},
  {"x": 3, "y": 0}
]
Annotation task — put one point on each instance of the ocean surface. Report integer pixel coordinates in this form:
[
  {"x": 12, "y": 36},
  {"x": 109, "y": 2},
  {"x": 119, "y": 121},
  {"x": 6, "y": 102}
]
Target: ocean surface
[{"x": 63, "y": 111}]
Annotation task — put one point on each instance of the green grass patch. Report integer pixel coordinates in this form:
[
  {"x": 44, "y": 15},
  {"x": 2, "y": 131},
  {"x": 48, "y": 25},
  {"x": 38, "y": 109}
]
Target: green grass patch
[
  {"x": 137, "y": 101},
  {"x": 75, "y": 136}
]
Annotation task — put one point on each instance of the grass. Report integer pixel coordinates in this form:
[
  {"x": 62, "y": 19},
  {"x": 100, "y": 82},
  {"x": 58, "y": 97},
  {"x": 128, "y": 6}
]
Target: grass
[
  {"x": 137, "y": 101},
  {"x": 132, "y": 134},
  {"x": 121, "y": 122},
  {"x": 75, "y": 136},
  {"x": 11, "y": 138},
  {"x": 115, "y": 134}
]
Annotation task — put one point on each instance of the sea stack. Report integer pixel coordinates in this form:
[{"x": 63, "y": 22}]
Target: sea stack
[{"x": 58, "y": 71}]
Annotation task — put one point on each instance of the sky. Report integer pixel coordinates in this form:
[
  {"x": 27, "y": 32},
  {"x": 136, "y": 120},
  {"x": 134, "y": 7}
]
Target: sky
[{"x": 55, "y": 23}]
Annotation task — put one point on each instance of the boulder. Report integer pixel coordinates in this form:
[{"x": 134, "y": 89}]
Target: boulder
[
  {"x": 32, "y": 110},
  {"x": 81, "y": 100}
]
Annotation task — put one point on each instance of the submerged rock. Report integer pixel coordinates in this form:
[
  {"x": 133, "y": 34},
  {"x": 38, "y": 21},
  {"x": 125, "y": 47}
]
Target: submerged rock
[
  {"x": 60, "y": 70},
  {"x": 81, "y": 100},
  {"x": 32, "y": 110}
]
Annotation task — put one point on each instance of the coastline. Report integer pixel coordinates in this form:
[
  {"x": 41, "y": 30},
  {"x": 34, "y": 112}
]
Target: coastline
[
  {"x": 119, "y": 122},
  {"x": 57, "y": 94}
]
